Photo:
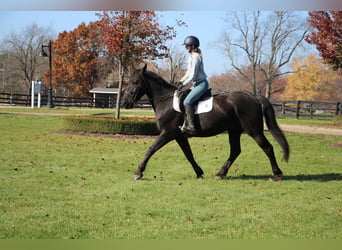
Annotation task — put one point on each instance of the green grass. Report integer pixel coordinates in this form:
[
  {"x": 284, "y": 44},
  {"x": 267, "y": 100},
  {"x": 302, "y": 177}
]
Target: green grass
[
  {"x": 305, "y": 121},
  {"x": 317, "y": 122},
  {"x": 58, "y": 186},
  {"x": 79, "y": 111}
]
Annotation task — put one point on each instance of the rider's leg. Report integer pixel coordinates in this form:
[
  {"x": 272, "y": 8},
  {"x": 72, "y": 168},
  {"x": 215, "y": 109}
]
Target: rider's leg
[{"x": 196, "y": 92}]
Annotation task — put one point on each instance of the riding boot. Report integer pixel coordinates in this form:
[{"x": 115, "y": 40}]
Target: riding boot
[{"x": 190, "y": 116}]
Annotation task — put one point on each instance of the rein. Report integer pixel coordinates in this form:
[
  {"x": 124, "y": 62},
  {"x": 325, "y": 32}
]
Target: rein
[
  {"x": 154, "y": 98},
  {"x": 160, "y": 97},
  {"x": 164, "y": 96}
]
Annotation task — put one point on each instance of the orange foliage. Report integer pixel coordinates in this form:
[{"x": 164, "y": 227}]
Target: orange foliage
[
  {"x": 75, "y": 60},
  {"x": 327, "y": 36},
  {"x": 132, "y": 36},
  {"x": 313, "y": 81}
]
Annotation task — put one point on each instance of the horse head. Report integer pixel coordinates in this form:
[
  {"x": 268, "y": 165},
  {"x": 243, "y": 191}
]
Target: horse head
[{"x": 135, "y": 89}]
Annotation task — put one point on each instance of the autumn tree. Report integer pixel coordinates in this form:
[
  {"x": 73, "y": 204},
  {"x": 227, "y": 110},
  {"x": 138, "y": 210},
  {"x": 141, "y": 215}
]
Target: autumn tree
[
  {"x": 227, "y": 82},
  {"x": 313, "y": 81},
  {"x": 265, "y": 42},
  {"x": 234, "y": 81},
  {"x": 326, "y": 34},
  {"x": 130, "y": 37},
  {"x": 76, "y": 60}
]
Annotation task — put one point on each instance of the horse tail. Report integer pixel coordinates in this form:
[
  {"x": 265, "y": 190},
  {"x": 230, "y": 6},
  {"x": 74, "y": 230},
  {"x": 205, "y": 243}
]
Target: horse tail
[{"x": 273, "y": 127}]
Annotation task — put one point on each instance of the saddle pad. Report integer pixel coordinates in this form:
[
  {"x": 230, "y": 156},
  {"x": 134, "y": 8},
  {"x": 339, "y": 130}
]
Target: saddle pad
[{"x": 200, "y": 108}]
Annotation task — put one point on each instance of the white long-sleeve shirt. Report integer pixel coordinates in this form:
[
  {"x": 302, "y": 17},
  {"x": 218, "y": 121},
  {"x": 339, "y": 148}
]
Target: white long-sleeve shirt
[{"x": 195, "y": 71}]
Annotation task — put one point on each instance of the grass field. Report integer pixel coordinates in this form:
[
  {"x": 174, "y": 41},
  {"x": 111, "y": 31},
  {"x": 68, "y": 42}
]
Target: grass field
[
  {"x": 77, "y": 111},
  {"x": 59, "y": 186},
  {"x": 317, "y": 122}
]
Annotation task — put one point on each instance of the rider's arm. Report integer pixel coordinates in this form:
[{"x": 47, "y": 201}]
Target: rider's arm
[{"x": 193, "y": 68}]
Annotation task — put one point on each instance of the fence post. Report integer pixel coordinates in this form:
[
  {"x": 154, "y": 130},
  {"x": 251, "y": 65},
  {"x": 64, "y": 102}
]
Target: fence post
[
  {"x": 297, "y": 109},
  {"x": 311, "y": 111},
  {"x": 338, "y": 108},
  {"x": 283, "y": 108},
  {"x": 32, "y": 95}
]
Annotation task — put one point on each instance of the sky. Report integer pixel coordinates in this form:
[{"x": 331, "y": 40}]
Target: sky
[
  {"x": 208, "y": 26},
  {"x": 204, "y": 19}
]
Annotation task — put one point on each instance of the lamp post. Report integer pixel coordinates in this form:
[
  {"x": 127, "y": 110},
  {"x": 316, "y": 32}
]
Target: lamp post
[
  {"x": 3, "y": 79},
  {"x": 49, "y": 104}
]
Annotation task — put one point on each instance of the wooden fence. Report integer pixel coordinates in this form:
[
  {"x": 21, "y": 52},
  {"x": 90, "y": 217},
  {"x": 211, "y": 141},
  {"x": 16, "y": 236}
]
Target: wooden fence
[
  {"x": 307, "y": 108},
  {"x": 283, "y": 108},
  {"x": 62, "y": 101}
]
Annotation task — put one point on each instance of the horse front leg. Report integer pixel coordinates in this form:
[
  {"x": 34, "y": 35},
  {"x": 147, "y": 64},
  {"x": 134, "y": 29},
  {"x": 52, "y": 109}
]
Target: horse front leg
[
  {"x": 185, "y": 146},
  {"x": 163, "y": 139}
]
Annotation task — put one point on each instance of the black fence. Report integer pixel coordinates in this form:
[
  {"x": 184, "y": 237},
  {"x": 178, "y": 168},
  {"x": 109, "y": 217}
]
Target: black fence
[
  {"x": 283, "y": 108},
  {"x": 62, "y": 101},
  {"x": 307, "y": 108}
]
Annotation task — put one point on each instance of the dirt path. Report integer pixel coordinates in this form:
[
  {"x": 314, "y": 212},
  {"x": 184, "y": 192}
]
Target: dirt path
[{"x": 311, "y": 130}]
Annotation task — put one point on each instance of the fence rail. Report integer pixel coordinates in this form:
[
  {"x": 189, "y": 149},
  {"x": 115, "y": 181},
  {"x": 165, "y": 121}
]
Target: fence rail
[
  {"x": 307, "y": 108},
  {"x": 62, "y": 101},
  {"x": 283, "y": 108}
]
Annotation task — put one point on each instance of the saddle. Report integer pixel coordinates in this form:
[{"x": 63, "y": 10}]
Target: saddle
[{"x": 202, "y": 105}]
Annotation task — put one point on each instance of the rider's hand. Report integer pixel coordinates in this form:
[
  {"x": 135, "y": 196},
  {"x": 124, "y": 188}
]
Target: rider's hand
[{"x": 179, "y": 85}]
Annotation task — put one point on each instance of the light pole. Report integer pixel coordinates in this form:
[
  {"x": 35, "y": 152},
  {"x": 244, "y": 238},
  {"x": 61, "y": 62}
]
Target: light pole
[
  {"x": 49, "y": 104},
  {"x": 3, "y": 79}
]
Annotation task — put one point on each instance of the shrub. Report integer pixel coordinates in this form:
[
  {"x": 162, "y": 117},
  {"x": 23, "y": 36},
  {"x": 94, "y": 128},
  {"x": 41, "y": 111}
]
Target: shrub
[
  {"x": 105, "y": 125},
  {"x": 337, "y": 119}
]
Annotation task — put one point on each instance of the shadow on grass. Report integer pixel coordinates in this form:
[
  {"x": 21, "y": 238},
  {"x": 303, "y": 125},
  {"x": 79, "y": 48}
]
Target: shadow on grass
[
  {"x": 101, "y": 114},
  {"x": 300, "y": 177}
]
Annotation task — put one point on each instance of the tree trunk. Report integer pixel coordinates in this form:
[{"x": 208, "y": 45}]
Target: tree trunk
[
  {"x": 118, "y": 99},
  {"x": 268, "y": 89}
]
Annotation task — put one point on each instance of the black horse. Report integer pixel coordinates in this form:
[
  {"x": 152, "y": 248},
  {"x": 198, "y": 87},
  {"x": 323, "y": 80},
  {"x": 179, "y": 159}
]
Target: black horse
[{"x": 235, "y": 112}]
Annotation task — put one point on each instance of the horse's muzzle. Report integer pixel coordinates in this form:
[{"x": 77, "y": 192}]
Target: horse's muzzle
[{"x": 127, "y": 104}]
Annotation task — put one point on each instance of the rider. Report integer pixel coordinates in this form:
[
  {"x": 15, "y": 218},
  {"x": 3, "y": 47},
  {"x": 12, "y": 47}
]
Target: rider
[{"x": 196, "y": 76}]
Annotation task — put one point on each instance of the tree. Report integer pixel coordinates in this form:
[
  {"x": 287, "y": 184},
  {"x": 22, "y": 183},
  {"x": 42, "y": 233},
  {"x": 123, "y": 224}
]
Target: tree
[
  {"x": 227, "y": 82},
  {"x": 266, "y": 42},
  {"x": 234, "y": 81},
  {"x": 286, "y": 34},
  {"x": 130, "y": 37},
  {"x": 23, "y": 50},
  {"x": 76, "y": 59},
  {"x": 175, "y": 63},
  {"x": 313, "y": 81},
  {"x": 326, "y": 34}
]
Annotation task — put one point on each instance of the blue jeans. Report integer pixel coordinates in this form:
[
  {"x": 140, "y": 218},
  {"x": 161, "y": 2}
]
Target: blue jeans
[{"x": 196, "y": 92}]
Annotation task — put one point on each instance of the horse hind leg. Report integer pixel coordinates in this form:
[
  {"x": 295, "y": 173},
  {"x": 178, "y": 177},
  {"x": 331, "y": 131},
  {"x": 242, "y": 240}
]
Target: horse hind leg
[
  {"x": 235, "y": 150},
  {"x": 268, "y": 149}
]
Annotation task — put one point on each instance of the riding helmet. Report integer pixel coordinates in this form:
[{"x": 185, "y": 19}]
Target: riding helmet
[{"x": 192, "y": 40}]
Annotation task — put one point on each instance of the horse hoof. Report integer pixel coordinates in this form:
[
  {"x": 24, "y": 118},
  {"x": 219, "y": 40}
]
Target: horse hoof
[
  {"x": 219, "y": 177},
  {"x": 137, "y": 177},
  {"x": 277, "y": 178}
]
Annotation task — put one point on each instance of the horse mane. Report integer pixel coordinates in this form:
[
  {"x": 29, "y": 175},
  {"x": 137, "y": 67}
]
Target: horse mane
[{"x": 160, "y": 80}]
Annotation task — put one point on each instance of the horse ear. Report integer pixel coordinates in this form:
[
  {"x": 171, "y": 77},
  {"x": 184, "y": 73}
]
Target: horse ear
[{"x": 144, "y": 68}]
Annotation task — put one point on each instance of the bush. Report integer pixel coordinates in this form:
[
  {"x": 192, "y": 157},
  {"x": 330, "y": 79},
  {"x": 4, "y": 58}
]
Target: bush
[
  {"x": 105, "y": 125},
  {"x": 337, "y": 119}
]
